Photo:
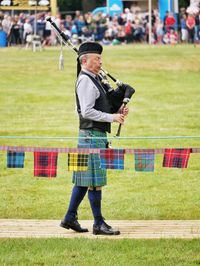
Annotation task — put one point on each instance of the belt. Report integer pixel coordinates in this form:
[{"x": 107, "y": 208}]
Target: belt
[
  {"x": 95, "y": 129},
  {"x": 98, "y": 129}
]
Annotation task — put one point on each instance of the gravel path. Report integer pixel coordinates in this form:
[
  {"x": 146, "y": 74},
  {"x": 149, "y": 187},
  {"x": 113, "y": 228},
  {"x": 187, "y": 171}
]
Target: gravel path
[{"x": 146, "y": 229}]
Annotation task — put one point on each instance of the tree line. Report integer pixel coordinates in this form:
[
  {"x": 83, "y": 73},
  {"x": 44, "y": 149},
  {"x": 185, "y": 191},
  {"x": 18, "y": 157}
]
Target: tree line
[
  {"x": 89, "y": 5},
  {"x": 85, "y": 5}
]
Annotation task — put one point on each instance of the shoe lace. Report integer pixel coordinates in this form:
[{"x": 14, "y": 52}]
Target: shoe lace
[
  {"x": 108, "y": 226},
  {"x": 76, "y": 222}
]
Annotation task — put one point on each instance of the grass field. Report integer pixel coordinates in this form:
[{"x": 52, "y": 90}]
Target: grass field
[
  {"x": 85, "y": 252},
  {"x": 38, "y": 100}
]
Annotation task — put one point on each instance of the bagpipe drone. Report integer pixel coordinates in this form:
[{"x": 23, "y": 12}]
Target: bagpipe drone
[{"x": 119, "y": 96}]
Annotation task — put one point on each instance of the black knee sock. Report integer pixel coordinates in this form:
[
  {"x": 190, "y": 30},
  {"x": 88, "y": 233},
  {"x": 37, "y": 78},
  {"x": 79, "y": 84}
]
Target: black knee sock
[
  {"x": 94, "y": 197},
  {"x": 77, "y": 196}
]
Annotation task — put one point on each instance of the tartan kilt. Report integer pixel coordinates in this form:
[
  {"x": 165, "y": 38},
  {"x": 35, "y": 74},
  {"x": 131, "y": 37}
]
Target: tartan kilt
[{"x": 95, "y": 175}]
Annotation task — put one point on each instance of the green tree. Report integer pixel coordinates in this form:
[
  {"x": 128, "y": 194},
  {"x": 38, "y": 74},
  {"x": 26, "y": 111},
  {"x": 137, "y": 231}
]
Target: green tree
[
  {"x": 184, "y": 3},
  {"x": 84, "y": 5},
  {"x": 69, "y": 5},
  {"x": 92, "y": 4}
]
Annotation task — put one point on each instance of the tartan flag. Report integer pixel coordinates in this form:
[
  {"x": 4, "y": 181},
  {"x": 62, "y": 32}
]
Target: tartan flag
[
  {"x": 15, "y": 159},
  {"x": 45, "y": 164},
  {"x": 112, "y": 158},
  {"x": 144, "y": 160},
  {"x": 176, "y": 158},
  {"x": 77, "y": 162}
]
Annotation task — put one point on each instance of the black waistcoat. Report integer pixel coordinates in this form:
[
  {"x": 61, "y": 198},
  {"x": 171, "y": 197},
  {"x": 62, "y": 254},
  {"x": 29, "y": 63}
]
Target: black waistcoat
[{"x": 101, "y": 104}]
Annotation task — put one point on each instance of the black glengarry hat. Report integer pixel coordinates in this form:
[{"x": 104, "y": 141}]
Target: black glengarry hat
[{"x": 88, "y": 48}]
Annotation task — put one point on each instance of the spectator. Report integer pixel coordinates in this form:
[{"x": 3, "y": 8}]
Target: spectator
[
  {"x": 15, "y": 32},
  {"x": 77, "y": 14},
  {"x": 190, "y": 23},
  {"x": 173, "y": 36},
  {"x": 107, "y": 39},
  {"x": 6, "y": 25},
  {"x": 164, "y": 20},
  {"x": 80, "y": 23},
  {"x": 170, "y": 22},
  {"x": 153, "y": 18},
  {"x": 47, "y": 30},
  {"x": 87, "y": 35},
  {"x": 68, "y": 22},
  {"x": 170, "y": 37},
  {"x": 121, "y": 19},
  {"x": 129, "y": 31},
  {"x": 65, "y": 30},
  {"x": 166, "y": 39},
  {"x": 184, "y": 31},
  {"x": 27, "y": 29},
  {"x": 137, "y": 31},
  {"x": 101, "y": 27},
  {"x": 21, "y": 21},
  {"x": 41, "y": 24},
  {"x": 128, "y": 14},
  {"x": 197, "y": 27},
  {"x": 159, "y": 30},
  {"x": 121, "y": 36},
  {"x": 88, "y": 19}
]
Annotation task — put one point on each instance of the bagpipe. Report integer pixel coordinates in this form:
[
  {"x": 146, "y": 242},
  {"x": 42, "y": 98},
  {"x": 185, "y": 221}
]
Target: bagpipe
[{"x": 118, "y": 97}]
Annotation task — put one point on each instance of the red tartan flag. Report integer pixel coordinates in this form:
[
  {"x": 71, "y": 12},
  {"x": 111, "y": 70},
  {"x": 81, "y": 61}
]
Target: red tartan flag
[
  {"x": 45, "y": 164},
  {"x": 176, "y": 158},
  {"x": 112, "y": 158}
]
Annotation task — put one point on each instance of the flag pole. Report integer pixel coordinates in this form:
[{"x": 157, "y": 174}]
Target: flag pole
[
  {"x": 150, "y": 21},
  {"x": 35, "y": 21},
  {"x": 108, "y": 7},
  {"x": 169, "y": 5}
]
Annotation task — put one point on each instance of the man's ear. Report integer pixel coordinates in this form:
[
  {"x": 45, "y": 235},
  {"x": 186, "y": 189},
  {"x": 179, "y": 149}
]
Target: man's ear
[{"x": 84, "y": 59}]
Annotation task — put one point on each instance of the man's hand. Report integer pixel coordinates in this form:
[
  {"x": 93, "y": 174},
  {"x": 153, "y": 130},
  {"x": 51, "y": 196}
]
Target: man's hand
[
  {"x": 118, "y": 118},
  {"x": 123, "y": 110}
]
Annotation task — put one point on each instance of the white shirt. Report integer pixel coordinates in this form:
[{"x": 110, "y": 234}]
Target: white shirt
[{"x": 87, "y": 94}]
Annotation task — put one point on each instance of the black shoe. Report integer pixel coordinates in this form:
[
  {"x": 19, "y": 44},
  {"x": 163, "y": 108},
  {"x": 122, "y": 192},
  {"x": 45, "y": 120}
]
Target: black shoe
[
  {"x": 104, "y": 229},
  {"x": 74, "y": 225}
]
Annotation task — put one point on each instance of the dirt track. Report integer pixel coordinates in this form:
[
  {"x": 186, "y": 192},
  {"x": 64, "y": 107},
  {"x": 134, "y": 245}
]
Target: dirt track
[{"x": 149, "y": 229}]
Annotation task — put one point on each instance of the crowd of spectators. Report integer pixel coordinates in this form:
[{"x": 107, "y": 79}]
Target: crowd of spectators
[{"x": 130, "y": 27}]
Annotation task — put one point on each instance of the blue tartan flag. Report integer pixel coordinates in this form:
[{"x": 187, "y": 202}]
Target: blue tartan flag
[
  {"x": 144, "y": 160},
  {"x": 112, "y": 158},
  {"x": 15, "y": 159}
]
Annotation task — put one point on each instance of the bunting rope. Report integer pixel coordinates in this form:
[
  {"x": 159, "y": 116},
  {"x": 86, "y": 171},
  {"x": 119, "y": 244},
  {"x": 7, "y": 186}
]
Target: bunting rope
[
  {"x": 80, "y": 150},
  {"x": 90, "y": 150}
]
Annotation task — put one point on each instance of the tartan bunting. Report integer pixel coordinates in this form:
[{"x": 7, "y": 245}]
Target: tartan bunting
[
  {"x": 45, "y": 164},
  {"x": 77, "y": 162},
  {"x": 177, "y": 158},
  {"x": 45, "y": 159},
  {"x": 112, "y": 158},
  {"x": 144, "y": 160},
  {"x": 15, "y": 159}
]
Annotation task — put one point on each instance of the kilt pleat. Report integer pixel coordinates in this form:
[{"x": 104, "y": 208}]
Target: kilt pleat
[{"x": 95, "y": 175}]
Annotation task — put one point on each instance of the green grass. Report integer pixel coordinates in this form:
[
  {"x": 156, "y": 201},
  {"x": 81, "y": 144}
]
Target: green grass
[
  {"x": 85, "y": 252},
  {"x": 38, "y": 100}
]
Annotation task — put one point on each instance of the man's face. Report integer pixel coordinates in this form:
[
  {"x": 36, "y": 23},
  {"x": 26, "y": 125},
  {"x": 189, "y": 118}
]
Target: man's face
[{"x": 93, "y": 63}]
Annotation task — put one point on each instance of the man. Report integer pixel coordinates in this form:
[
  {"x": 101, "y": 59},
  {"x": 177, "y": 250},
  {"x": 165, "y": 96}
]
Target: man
[{"x": 95, "y": 115}]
